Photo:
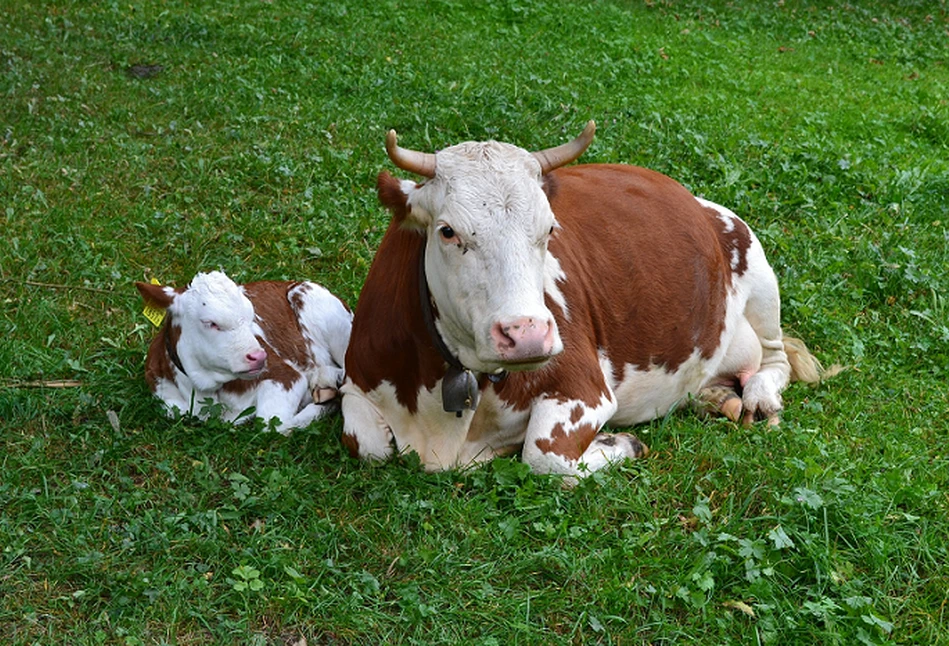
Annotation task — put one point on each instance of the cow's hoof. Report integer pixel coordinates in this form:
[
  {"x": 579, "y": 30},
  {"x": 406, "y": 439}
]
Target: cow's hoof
[
  {"x": 723, "y": 400},
  {"x": 323, "y": 395},
  {"x": 618, "y": 446}
]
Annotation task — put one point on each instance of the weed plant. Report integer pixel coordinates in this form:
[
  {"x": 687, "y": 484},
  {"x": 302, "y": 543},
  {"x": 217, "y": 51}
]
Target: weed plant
[{"x": 154, "y": 139}]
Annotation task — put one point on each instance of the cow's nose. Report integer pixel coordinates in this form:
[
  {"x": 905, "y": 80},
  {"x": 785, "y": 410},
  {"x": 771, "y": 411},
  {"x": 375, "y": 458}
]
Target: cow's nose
[
  {"x": 523, "y": 339},
  {"x": 256, "y": 359}
]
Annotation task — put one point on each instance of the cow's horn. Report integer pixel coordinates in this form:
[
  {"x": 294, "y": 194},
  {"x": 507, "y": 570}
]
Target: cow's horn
[
  {"x": 409, "y": 160},
  {"x": 563, "y": 154}
]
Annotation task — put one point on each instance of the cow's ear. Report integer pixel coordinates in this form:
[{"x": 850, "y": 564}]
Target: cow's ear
[
  {"x": 156, "y": 295},
  {"x": 394, "y": 195}
]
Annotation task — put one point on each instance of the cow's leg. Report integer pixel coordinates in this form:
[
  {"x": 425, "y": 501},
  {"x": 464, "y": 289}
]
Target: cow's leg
[
  {"x": 310, "y": 413},
  {"x": 274, "y": 400},
  {"x": 326, "y": 384},
  {"x": 564, "y": 437},
  {"x": 761, "y": 391},
  {"x": 365, "y": 432},
  {"x": 175, "y": 401}
]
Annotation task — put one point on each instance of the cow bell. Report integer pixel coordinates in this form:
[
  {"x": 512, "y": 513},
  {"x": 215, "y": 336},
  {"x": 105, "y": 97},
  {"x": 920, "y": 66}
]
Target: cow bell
[{"x": 460, "y": 391}]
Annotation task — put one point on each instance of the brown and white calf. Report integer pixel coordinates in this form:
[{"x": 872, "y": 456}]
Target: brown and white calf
[
  {"x": 515, "y": 304},
  {"x": 276, "y": 346}
]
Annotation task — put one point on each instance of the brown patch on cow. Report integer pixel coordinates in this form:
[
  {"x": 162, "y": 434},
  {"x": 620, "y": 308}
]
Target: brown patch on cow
[
  {"x": 155, "y": 295},
  {"x": 576, "y": 414},
  {"x": 735, "y": 241},
  {"x": 157, "y": 363},
  {"x": 351, "y": 444},
  {"x": 570, "y": 445},
  {"x": 655, "y": 289},
  {"x": 389, "y": 340},
  {"x": 278, "y": 319}
]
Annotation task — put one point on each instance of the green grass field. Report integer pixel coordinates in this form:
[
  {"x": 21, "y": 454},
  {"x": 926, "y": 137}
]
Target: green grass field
[{"x": 155, "y": 139}]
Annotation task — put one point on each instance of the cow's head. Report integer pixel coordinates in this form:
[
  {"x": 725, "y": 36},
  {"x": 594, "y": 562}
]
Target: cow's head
[
  {"x": 217, "y": 340},
  {"x": 487, "y": 222}
]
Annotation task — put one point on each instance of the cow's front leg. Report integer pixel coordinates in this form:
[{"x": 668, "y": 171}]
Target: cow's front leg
[
  {"x": 365, "y": 432},
  {"x": 564, "y": 436},
  {"x": 276, "y": 400}
]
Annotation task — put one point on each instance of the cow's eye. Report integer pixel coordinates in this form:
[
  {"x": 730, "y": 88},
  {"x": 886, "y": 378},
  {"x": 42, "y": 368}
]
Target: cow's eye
[
  {"x": 446, "y": 232},
  {"x": 211, "y": 325}
]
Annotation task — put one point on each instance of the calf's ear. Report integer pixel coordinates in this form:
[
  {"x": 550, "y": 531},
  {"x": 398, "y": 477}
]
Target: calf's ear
[
  {"x": 156, "y": 295},
  {"x": 394, "y": 195}
]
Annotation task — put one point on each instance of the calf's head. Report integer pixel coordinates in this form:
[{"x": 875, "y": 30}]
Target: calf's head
[
  {"x": 213, "y": 329},
  {"x": 487, "y": 222}
]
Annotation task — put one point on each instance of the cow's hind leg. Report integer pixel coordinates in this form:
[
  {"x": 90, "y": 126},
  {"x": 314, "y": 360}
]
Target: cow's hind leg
[{"x": 761, "y": 390}]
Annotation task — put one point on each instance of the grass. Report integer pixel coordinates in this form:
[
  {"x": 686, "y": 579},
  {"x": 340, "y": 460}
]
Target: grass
[{"x": 254, "y": 149}]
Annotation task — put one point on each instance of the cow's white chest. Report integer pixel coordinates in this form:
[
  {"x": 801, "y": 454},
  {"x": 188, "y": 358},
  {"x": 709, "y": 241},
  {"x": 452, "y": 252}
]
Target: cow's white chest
[{"x": 445, "y": 440}]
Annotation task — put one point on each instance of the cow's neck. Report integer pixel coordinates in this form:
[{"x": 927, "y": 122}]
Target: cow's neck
[{"x": 460, "y": 391}]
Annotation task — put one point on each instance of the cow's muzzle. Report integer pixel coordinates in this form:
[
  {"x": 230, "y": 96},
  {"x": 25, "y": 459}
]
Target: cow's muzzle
[{"x": 526, "y": 340}]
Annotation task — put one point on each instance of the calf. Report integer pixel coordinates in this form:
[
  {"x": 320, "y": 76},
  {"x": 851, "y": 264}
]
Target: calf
[{"x": 277, "y": 346}]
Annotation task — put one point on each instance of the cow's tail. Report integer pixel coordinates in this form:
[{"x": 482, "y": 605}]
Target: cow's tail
[{"x": 804, "y": 365}]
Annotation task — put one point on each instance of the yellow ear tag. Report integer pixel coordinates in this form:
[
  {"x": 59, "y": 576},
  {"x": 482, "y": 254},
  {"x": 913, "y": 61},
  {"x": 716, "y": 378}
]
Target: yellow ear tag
[{"x": 154, "y": 314}]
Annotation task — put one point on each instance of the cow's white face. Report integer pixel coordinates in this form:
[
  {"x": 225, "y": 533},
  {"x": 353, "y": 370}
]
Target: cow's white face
[
  {"x": 487, "y": 222},
  {"x": 217, "y": 342}
]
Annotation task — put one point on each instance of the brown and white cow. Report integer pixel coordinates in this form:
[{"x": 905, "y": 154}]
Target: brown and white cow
[
  {"x": 517, "y": 304},
  {"x": 277, "y": 346}
]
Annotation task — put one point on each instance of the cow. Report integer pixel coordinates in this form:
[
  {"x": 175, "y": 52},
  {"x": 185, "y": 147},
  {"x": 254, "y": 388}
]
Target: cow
[
  {"x": 276, "y": 346},
  {"x": 519, "y": 304}
]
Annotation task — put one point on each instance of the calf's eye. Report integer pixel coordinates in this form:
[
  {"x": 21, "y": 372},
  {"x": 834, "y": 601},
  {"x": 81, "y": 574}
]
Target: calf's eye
[{"x": 446, "y": 232}]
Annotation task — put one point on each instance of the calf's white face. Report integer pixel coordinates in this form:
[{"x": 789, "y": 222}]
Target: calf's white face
[
  {"x": 217, "y": 342},
  {"x": 487, "y": 223}
]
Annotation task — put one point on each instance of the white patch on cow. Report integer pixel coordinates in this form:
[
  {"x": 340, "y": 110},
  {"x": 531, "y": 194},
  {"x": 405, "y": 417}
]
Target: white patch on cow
[
  {"x": 325, "y": 324},
  {"x": 435, "y": 435},
  {"x": 727, "y": 216},
  {"x": 364, "y": 423},
  {"x": 644, "y": 395},
  {"x": 553, "y": 275},
  {"x": 757, "y": 300},
  {"x": 735, "y": 259}
]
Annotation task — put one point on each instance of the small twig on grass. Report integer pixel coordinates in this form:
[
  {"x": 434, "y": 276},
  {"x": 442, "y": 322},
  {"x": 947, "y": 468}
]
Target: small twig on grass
[
  {"x": 54, "y": 383},
  {"x": 35, "y": 283}
]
